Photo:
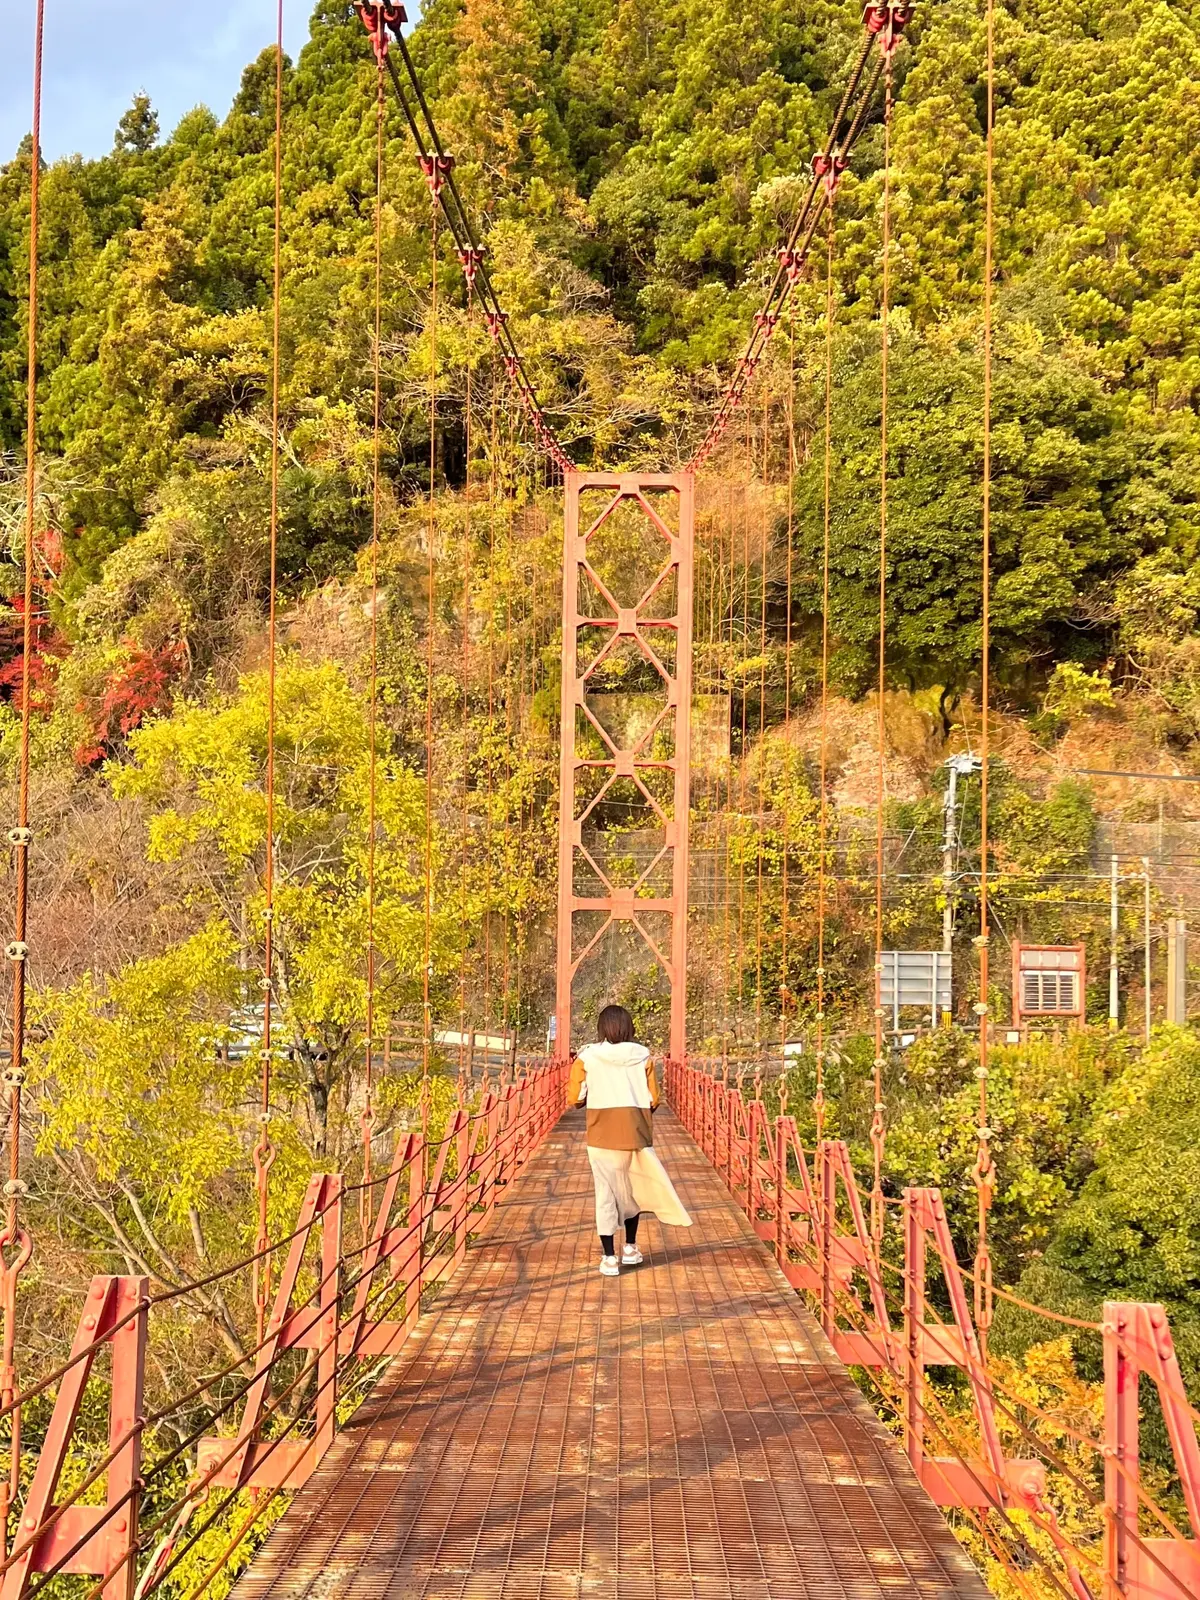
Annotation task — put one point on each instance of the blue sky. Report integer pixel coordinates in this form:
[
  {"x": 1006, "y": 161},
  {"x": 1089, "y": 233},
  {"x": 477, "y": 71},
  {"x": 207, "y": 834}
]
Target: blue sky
[{"x": 98, "y": 56}]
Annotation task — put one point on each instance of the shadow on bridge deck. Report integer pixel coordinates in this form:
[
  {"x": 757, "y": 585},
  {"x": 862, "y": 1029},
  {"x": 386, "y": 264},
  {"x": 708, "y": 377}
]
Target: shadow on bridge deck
[{"x": 681, "y": 1433}]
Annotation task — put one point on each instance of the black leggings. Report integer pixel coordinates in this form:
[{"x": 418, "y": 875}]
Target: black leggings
[{"x": 606, "y": 1239}]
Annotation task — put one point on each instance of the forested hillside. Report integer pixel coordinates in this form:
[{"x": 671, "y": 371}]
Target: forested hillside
[{"x": 634, "y": 166}]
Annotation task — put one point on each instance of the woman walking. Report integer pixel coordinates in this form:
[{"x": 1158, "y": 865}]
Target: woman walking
[{"x": 616, "y": 1078}]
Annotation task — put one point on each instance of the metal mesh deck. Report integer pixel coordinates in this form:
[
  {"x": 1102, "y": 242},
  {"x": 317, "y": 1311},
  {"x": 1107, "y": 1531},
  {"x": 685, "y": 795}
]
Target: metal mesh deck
[{"x": 683, "y": 1432}]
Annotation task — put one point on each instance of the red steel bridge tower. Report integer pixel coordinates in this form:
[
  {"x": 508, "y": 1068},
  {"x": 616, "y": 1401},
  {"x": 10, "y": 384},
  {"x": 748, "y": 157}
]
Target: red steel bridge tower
[{"x": 626, "y": 620}]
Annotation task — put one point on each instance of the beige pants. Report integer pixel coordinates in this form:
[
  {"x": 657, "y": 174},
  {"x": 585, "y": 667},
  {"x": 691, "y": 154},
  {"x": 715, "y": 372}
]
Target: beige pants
[{"x": 614, "y": 1192}]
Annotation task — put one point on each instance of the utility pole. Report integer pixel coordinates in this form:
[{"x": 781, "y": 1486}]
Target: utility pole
[
  {"x": 1177, "y": 971},
  {"x": 948, "y": 843},
  {"x": 960, "y": 766},
  {"x": 1146, "y": 938},
  {"x": 1114, "y": 991}
]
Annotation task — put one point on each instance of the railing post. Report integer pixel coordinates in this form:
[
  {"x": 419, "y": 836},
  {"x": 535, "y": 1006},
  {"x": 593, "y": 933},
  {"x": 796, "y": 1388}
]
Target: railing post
[
  {"x": 1121, "y": 1466},
  {"x": 330, "y": 1302},
  {"x": 760, "y": 1134},
  {"x": 416, "y": 1227},
  {"x": 780, "y": 1192},
  {"x": 914, "y": 1332},
  {"x": 463, "y": 1179},
  {"x": 125, "y": 1473},
  {"x": 828, "y": 1232},
  {"x": 97, "y": 1543},
  {"x": 727, "y": 1095}
]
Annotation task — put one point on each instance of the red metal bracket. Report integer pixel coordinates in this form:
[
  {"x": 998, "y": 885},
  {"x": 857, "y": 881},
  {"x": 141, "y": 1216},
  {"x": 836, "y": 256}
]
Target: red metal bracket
[
  {"x": 436, "y": 169},
  {"x": 993, "y": 1479},
  {"x": 1137, "y": 1339},
  {"x": 887, "y": 23},
  {"x": 843, "y": 1254},
  {"x": 470, "y": 260},
  {"x": 830, "y": 170},
  {"x": 377, "y": 17},
  {"x": 250, "y": 1460},
  {"x": 392, "y": 1248},
  {"x": 114, "y": 1315}
]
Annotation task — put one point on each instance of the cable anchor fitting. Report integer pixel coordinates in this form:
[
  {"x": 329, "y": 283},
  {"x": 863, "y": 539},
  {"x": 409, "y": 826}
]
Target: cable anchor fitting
[
  {"x": 887, "y": 23},
  {"x": 829, "y": 169},
  {"x": 20, "y": 838},
  {"x": 17, "y": 950},
  {"x": 790, "y": 262},
  {"x": 470, "y": 260},
  {"x": 377, "y": 17},
  {"x": 436, "y": 169}
]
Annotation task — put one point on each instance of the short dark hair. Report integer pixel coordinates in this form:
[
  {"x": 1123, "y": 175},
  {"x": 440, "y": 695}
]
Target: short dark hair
[{"x": 614, "y": 1025}]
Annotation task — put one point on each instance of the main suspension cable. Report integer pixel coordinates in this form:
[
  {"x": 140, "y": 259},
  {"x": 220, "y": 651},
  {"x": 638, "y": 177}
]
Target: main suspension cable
[
  {"x": 381, "y": 19},
  {"x": 886, "y": 20},
  {"x": 16, "y": 1246}
]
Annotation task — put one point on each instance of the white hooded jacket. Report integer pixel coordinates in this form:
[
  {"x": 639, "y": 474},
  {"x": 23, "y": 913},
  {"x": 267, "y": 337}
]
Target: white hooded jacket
[{"x": 618, "y": 1084}]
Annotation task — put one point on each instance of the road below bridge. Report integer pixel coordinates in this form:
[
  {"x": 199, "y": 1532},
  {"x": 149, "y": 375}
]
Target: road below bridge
[{"x": 684, "y": 1432}]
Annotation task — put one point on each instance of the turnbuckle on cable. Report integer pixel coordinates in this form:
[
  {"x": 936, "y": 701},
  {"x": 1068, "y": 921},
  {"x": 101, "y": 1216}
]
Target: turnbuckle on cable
[{"x": 377, "y": 17}]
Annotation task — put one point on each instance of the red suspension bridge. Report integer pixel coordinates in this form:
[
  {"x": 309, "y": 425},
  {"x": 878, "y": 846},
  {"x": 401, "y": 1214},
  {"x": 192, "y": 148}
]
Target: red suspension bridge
[{"x": 442, "y": 1398}]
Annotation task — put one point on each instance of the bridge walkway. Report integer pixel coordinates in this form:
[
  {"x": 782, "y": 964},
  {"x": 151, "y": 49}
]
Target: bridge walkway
[{"x": 683, "y": 1432}]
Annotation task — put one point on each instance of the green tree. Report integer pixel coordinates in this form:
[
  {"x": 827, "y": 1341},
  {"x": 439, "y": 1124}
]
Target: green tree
[
  {"x": 138, "y": 128},
  {"x": 201, "y": 773}
]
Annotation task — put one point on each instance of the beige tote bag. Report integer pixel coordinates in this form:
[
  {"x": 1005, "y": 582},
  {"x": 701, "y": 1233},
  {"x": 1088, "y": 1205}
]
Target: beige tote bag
[{"x": 654, "y": 1191}]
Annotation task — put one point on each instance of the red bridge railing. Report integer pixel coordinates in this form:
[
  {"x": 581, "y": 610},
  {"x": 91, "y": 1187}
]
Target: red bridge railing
[
  {"x": 876, "y": 1304},
  {"x": 264, "y": 1422}
]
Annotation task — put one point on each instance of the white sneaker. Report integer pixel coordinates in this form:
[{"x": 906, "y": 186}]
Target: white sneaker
[
  {"x": 609, "y": 1267},
  {"x": 631, "y": 1256}
]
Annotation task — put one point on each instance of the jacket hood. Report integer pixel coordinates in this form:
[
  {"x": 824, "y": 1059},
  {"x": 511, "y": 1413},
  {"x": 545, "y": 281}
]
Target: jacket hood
[{"x": 630, "y": 1054}]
